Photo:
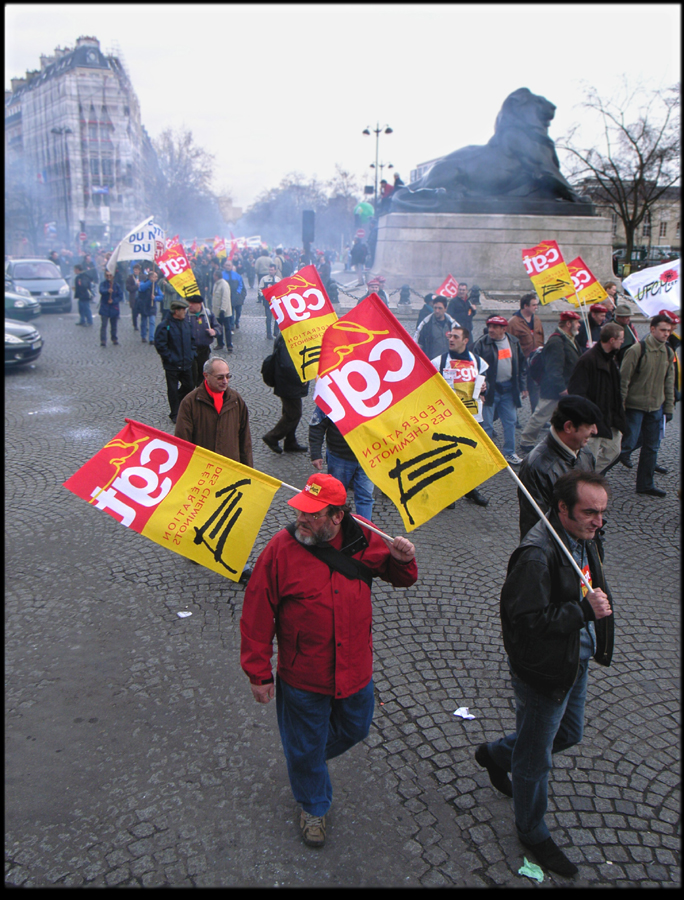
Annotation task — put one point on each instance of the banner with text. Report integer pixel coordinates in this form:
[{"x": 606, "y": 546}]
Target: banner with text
[
  {"x": 655, "y": 288},
  {"x": 547, "y": 269},
  {"x": 176, "y": 268},
  {"x": 192, "y": 501},
  {"x": 303, "y": 311},
  {"x": 587, "y": 288},
  {"x": 448, "y": 288},
  {"x": 410, "y": 433},
  {"x": 146, "y": 241}
]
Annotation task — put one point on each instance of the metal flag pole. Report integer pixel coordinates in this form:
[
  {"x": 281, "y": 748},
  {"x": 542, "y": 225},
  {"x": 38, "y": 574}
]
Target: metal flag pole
[
  {"x": 555, "y": 534},
  {"x": 364, "y": 524}
]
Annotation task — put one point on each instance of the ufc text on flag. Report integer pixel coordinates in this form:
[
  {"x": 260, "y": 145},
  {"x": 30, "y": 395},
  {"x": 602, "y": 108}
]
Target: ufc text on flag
[
  {"x": 303, "y": 311},
  {"x": 547, "y": 269},
  {"x": 410, "y": 433},
  {"x": 192, "y": 501}
]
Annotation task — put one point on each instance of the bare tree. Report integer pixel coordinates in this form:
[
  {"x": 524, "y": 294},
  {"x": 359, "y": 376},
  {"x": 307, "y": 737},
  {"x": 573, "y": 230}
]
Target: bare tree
[{"x": 637, "y": 159}]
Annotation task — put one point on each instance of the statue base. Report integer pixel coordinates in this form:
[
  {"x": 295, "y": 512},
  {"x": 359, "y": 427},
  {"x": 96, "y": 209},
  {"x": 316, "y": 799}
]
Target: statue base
[
  {"x": 505, "y": 206},
  {"x": 421, "y": 249}
]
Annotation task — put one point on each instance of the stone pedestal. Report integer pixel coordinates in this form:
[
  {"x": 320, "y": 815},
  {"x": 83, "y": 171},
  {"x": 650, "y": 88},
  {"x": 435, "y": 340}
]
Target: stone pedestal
[{"x": 421, "y": 249}]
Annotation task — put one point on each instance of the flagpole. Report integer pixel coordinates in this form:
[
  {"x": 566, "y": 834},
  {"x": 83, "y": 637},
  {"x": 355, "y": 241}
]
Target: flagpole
[
  {"x": 555, "y": 534},
  {"x": 365, "y": 524}
]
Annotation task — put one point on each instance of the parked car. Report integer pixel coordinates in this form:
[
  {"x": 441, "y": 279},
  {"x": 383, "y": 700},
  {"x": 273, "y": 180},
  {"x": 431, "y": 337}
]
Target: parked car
[
  {"x": 21, "y": 306},
  {"x": 23, "y": 343},
  {"x": 43, "y": 279}
]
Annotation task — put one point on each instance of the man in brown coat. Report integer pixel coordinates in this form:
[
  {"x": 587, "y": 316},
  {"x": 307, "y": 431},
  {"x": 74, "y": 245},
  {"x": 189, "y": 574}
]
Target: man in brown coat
[
  {"x": 527, "y": 327},
  {"x": 216, "y": 417}
]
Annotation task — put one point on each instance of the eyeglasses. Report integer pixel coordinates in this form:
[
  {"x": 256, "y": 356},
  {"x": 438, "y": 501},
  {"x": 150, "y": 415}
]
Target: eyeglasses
[
  {"x": 221, "y": 377},
  {"x": 319, "y": 515}
]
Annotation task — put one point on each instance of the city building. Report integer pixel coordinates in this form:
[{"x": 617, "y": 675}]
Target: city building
[{"x": 79, "y": 165}]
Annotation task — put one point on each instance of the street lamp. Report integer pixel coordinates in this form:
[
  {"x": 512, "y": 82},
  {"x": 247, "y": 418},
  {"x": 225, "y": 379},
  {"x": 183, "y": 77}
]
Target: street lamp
[
  {"x": 64, "y": 130},
  {"x": 376, "y": 131}
]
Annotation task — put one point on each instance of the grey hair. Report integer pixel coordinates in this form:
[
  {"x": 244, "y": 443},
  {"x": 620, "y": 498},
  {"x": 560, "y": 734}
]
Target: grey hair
[{"x": 209, "y": 364}]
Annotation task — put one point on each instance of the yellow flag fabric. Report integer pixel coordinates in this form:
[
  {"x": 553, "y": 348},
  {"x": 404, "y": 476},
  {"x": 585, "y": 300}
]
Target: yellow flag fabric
[{"x": 201, "y": 505}]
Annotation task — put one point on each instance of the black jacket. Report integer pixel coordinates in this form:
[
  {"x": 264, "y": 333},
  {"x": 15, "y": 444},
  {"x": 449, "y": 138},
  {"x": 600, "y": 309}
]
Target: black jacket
[
  {"x": 487, "y": 349},
  {"x": 542, "y": 614},
  {"x": 541, "y": 469},
  {"x": 287, "y": 382},
  {"x": 175, "y": 342},
  {"x": 322, "y": 428},
  {"x": 596, "y": 376},
  {"x": 560, "y": 357}
]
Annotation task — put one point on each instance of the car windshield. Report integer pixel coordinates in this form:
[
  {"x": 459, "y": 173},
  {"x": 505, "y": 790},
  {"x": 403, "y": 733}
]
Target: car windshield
[{"x": 36, "y": 270}]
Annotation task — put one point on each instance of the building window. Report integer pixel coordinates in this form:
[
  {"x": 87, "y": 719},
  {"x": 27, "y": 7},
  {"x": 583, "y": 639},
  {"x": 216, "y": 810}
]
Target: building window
[
  {"x": 95, "y": 168},
  {"x": 663, "y": 230},
  {"x": 615, "y": 223},
  {"x": 646, "y": 227},
  {"x": 92, "y": 132},
  {"x": 107, "y": 168}
]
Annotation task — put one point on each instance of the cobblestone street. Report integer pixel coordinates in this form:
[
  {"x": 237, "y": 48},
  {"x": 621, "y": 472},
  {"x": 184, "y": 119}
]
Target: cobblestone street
[{"x": 136, "y": 756}]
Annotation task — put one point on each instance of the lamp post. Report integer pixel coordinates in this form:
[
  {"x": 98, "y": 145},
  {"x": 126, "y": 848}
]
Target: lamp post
[
  {"x": 376, "y": 131},
  {"x": 64, "y": 130}
]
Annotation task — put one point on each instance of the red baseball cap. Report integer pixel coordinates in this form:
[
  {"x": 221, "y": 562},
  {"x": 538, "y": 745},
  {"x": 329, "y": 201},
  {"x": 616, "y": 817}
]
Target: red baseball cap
[
  {"x": 569, "y": 314},
  {"x": 672, "y": 316},
  {"x": 497, "y": 320},
  {"x": 597, "y": 307},
  {"x": 320, "y": 491}
]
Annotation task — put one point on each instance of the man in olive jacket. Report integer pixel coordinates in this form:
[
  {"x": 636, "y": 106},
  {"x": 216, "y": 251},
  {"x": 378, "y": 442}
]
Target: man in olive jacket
[
  {"x": 216, "y": 417},
  {"x": 552, "y": 625}
]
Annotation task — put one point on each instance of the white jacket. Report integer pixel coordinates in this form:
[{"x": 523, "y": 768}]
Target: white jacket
[{"x": 220, "y": 299}]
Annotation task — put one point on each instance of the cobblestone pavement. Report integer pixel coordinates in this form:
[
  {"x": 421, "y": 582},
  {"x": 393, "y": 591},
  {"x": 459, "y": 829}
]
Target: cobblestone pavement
[{"x": 135, "y": 755}]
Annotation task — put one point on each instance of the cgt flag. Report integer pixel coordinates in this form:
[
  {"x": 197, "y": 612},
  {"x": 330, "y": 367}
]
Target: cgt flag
[
  {"x": 303, "y": 311},
  {"x": 410, "y": 433},
  {"x": 546, "y": 267},
  {"x": 586, "y": 288},
  {"x": 195, "y": 502},
  {"x": 220, "y": 247},
  {"x": 177, "y": 271},
  {"x": 448, "y": 288}
]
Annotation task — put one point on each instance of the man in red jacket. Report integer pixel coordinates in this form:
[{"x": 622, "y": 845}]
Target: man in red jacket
[{"x": 311, "y": 587}]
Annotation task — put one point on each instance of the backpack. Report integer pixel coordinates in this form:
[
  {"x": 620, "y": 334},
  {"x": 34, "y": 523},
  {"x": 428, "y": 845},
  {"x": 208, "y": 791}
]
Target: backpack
[
  {"x": 642, "y": 342},
  {"x": 535, "y": 365},
  {"x": 268, "y": 368},
  {"x": 287, "y": 268}
]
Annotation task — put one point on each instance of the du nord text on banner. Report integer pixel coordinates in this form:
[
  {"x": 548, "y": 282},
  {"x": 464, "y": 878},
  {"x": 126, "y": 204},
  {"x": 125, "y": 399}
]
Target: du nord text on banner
[
  {"x": 303, "y": 311},
  {"x": 192, "y": 501},
  {"x": 410, "y": 433},
  {"x": 145, "y": 241}
]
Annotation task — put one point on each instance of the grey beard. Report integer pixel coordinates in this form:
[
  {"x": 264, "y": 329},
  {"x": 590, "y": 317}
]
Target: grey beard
[{"x": 310, "y": 540}]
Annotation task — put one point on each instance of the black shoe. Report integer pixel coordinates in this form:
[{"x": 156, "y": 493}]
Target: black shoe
[
  {"x": 229, "y": 349},
  {"x": 626, "y": 462},
  {"x": 246, "y": 575},
  {"x": 274, "y": 445},
  {"x": 661, "y": 470},
  {"x": 525, "y": 448},
  {"x": 79, "y": 323},
  {"x": 552, "y": 857},
  {"x": 477, "y": 497},
  {"x": 151, "y": 342},
  {"x": 294, "y": 448},
  {"x": 498, "y": 776},
  {"x": 654, "y": 492},
  {"x": 451, "y": 506},
  {"x": 173, "y": 418}
]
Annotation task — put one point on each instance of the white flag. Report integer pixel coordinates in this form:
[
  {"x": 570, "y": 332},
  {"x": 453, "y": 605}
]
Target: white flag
[
  {"x": 655, "y": 288},
  {"x": 145, "y": 241}
]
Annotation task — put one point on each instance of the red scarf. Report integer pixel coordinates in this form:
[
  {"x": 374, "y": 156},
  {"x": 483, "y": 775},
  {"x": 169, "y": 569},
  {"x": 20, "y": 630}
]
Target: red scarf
[{"x": 217, "y": 397}]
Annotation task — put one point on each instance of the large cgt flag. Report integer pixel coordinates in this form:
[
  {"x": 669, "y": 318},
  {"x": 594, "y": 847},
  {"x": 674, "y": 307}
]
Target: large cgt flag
[
  {"x": 410, "y": 433},
  {"x": 177, "y": 271},
  {"x": 586, "y": 288},
  {"x": 303, "y": 311},
  {"x": 199, "y": 504},
  {"x": 547, "y": 269}
]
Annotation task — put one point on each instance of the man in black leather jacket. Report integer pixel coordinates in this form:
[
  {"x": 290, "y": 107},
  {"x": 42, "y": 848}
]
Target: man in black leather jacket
[
  {"x": 573, "y": 423},
  {"x": 552, "y": 625}
]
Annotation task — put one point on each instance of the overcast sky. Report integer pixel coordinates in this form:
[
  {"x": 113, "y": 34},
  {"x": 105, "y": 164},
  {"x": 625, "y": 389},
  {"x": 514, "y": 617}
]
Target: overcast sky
[{"x": 271, "y": 89}]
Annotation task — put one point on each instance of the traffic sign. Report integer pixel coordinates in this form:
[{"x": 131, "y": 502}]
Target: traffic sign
[{"x": 82, "y": 236}]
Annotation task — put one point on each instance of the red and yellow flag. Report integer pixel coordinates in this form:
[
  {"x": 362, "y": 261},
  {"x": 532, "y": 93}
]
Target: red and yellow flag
[
  {"x": 176, "y": 268},
  {"x": 172, "y": 242},
  {"x": 448, "y": 288},
  {"x": 303, "y": 311},
  {"x": 220, "y": 247},
  {"x": 410, "y": 433},
  {"x": 587, "y": 289},
  {"x": 546, "y": 267},
  {"x": 195, "y": 502}
]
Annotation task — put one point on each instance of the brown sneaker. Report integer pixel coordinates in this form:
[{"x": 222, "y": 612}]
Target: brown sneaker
[{"x": 312, "y": 829}]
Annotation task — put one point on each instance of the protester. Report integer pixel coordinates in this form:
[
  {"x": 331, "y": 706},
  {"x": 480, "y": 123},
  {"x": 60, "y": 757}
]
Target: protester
[
  {"x": 426, "y": 309},
  {"x": 111, "y": 296},
  {"x": 526, "y": 325},
  {"x": 597, "y": 377},
  {"x": 597, "y": 318},
  {"x": 216, "y": 417},
  {"x": 311, "y": 588},
  {"x": 238, "y": 291},
  {"x": 431, "y": 334},
  {"x": 175, "y": 344},
  {"x": 461, "y": 368},
  {"x": 647, "y": 379},
  {"x": 623, "y": 318},
  {"x": 552, "y": 625},
  {"x": 132, "y": 285},
  {"x": 149, "y": 294},
  {"x": 359, "y": 254},
  {"x": 204, "y": 327},
  {"x": 560, "y": 356},
  {"x": 223, "y": 311},
  {"x": 506, "y": 382},
  {"x": 291, "y": 389},
  {"x": 82, "y": 293},
  {"x": 268, "y": 281},
  {"x": 342, "y": 463},
  {"x": 461, "y": 309},
  {"x": 375, "y": 286},
  {"x": 574, "y": 422}
]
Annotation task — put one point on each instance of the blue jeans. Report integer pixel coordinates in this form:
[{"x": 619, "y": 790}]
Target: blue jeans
[
  {"x": 646, "y": 425},
  {"x": 349, "y": 472},
  {"x": 147, "y": 328},
  {"x": 504, "y": 405},
  {"x": 314, "y": 728},
  {"x": 85, "y": 312},
  {"x": 543, "y": 727}
]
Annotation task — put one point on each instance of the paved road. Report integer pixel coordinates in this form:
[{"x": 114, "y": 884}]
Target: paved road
[{"x": 135, "y": 755}]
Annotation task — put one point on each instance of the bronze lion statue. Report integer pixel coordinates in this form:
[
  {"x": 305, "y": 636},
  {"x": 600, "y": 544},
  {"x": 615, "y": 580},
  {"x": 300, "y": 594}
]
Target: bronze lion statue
[{"x": 519, "y": 161}]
